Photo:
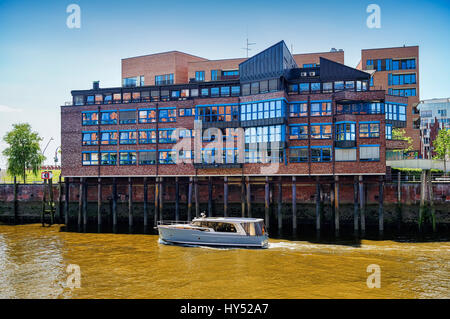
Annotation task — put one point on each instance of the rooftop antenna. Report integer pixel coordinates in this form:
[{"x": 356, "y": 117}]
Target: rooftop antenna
[{"x": 248, "y": 44}]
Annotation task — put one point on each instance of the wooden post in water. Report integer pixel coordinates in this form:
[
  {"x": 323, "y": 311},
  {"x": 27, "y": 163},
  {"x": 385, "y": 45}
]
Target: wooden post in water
[
  {"x": 431, "y": 201},
  {"x": 161, "y": 198},
  {"x": 80, "y": 202},
  {"x": 294, "y": 204},
  {"x": 280, "y": 203},
  {"x": 99, "y": 201},
  {"x": 130, "y": 202},
  {"x": 114, "y": 202},
  {"x": 52, "y": 202},
  {"x": 336, "y": 204},
  {"x": 355, "y": 205},
  {"x": 155, "y": 216},
  {"x": 60, "y": 201},
  {"x": 332, "y": 202},
  {"x": 318, "y": 205},
  {"x": 85, "y": 192},
  {"x": 189, "y": 210},
  {"x": 225, "y": 196},
  {"x": 145, "y": 202},
  {"x": 422, "y": 198},
  {"x": 399, "y": 198},
  {"x": 249, "y": 197},
  {"x": 362, "y": 204},
  {"x": 242, "y": 197},
  {"x": 44, "y": 199},
  {"x": 16, "y": 204},
  {"x": 267, "y": 202},
  {"x": 66, "y": 201},
  {"x": 380, "y": 206},
  {"x": 209, "y": 196},
  {"x": 177, "y": 199},
  {"x": 197, "y": 204}
]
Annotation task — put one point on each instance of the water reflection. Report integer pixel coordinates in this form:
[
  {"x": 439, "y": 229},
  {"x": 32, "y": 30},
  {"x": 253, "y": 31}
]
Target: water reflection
[{"x": 33, "y": 261}]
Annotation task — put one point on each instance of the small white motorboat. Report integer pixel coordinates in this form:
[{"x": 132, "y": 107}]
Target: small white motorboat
[{"x": 215, "y": 231}]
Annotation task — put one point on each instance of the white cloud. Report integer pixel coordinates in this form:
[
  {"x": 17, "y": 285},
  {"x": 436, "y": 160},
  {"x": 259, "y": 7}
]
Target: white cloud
[{"x": 7, "y": 109}]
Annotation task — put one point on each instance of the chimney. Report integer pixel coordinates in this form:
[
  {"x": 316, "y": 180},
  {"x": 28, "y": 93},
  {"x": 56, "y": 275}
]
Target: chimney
[{"x": 95, "y": 85}]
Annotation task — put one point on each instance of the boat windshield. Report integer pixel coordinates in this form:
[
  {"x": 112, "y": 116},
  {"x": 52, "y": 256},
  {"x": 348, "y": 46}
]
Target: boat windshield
[
  {"x": 218, "y": 227},
  {"x": 254, "y": 229}
]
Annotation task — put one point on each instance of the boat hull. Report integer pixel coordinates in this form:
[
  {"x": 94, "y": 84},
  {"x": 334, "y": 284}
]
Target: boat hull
[{"x": 197, "y": 237}]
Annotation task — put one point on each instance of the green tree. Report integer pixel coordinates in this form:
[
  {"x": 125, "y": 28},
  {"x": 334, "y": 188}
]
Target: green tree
[
  {"x": 400, "y": 134},
  {"x": 23, "y": 151},
  {"x": 441, "y": 146}
]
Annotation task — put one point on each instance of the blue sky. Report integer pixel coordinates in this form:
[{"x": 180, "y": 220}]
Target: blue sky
[{"x": 41, "y": 60}]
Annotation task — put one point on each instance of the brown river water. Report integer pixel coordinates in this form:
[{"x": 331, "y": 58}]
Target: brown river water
[{"x": 34, "y": 260}]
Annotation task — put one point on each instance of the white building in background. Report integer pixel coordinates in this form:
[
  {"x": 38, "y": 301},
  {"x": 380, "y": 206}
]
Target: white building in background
[{"x": 430, "y": 111}]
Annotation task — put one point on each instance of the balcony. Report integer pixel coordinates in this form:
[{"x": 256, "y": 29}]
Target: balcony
[
  {"x": 225, "y": 124},
  {"x": 264, "y": 122},
  {"x": 372, "y": 95},
  {"x": 217, "y": 165}
]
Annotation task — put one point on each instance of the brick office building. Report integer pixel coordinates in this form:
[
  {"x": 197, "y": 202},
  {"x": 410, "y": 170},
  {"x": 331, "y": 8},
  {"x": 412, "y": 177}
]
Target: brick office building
[
  {"x": 396, "y": 70},
  {"x": 318, "y": 120}
]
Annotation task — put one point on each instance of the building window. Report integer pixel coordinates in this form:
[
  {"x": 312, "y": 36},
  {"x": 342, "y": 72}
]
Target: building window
[
  {"x": 298, "y": 109},
  {"x": 147, "y": 157},
  {"x": 200, "y": 76},
  {"x": 168, "y": 114},
  {"x": 293, "y": 89},
  {"x": 401, "y": 79},
  {"x": 108, "y": 158},
  {"x": 327, "y": 87},
  {"x": 184, "y": 133},
  {"x": 186, "y": 112},
  {"x": 127, "y": 158},
  {"x": 185, "y": 93},
  {"x": 108, "y": 117},
  {"x": 89, "y": 158},
  {"x": 225, "y": 91},
  {"x": 127, "y": 117},
  {"x": 147, "y": 136},
  {"x": 230, "y": 73},
  {"x": 298, "y": 154},
  {"x": 214, "y": 76},
  {"x": 109, "y": 137},
  {"x": 349, "y": 85},
  {"x": 304, "y": 88},
  {"x": 345, "y": 131},
  {"x": 165, "y": 79},
  {"x": 264, "y": 134},
  {"x": 345, "y": 154},
  {"x": 246, "y": 89},
  {"x": 117, "y": 98},
  {"x": 147, "y": 116},
  {"x": 320, "y": 108},
  {"x": 213, "y": 113},
  {"x": 263, "y": 86},
  {"x": 90, "y": 118},
  {"x": 315, "y": 87},
  {"x": 369, "y": 153},
  {"x": 254, "y": 88},
  {"x": 299, "y": 132},
  {"x": 141, "y": 80},
  {"x": 136, "y": 97},
  {"x": 98, "y": 98},
  {"x": 360, "y": 108},
  {"x": 175, "y": 94},
  {"x": 90, "y": 138},
  {"x": 194, "y": 92},
  {"x": 130, "y": 82},
  {"x": 321, "y": 131},
  {"x": 127, "y": 137},
  {"x": 167, "y": 136},
  {"x": 262, "y": 110},
  {"x": 273, "y": 85},
  {"x": 167, "y": 157},
  {"x": 388, "y": 129},
  {"x": 338, "y": 86},
  {"x": 395, "y": 112},
  {"x": 320, "y": 154},
  {"x": 126, "y": 97},
  {"x": 214, "y": 92},
  {"x": 78, "y": 99},
  {"x": 235, "y": 90},
  {"x": 369, "y": 129},
  {"x": 89, "y": 99},
  {"x": 205, "y": 92}
]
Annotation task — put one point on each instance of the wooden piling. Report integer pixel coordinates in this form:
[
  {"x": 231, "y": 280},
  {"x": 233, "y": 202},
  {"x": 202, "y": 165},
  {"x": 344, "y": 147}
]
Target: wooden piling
[
  {"x": 399, "y": 199},
  {"x": 280, "y": 203},
  {"x": 44, "y": 199},
  {"x": 52, "y": 202},
  {"x": 177, "y": 199},
  {"x": 66, "y": 201},
  {"x": 267, "y": 202},
  {"x": 99, "y": 201},
  {"x": 380, "y": 205},
  {"x": 189, "y": 208},
  {"x": 249, "y": 197},
  {"x": 431, "y": 201},
  {"x": 362, "y": 204},
  {"x": 197, "y": 204},
  {"x": 355, "y": 205},
  {"x": 80, "y": 201},
  {"x": 294, "y": 204},
  {"x": 225, "y": 196},
  {"x": 114, "y": 202},
  {"x": 318, "y": 205},
  {"x": 130, "y": 202},
  {"x": 145, "y": 202},
  {"x": 336, "y": 204},
  {"x": 161, "y": 199},
  {"x": 242, "y": 197},
  {"x": 422, "y": 198},
  {"x": 16, "y": 203},
  {"x": 332, "y": 204},
  {"x": 209, "y": 196},
  {"x": 60, "y": 199},
  {"x": 156, "y": 212},
  {"x": 85, "y": 192}
]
